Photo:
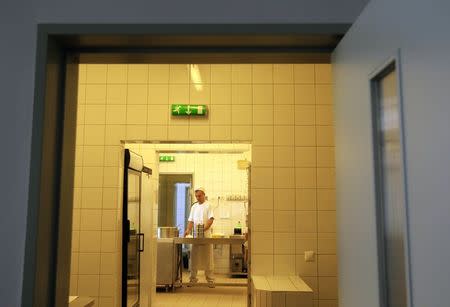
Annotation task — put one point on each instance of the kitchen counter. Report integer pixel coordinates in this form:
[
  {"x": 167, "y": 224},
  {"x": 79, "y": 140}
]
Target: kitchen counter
[
  {"x": 234, "y": 240},
  {"x": 209, "y": 240}
]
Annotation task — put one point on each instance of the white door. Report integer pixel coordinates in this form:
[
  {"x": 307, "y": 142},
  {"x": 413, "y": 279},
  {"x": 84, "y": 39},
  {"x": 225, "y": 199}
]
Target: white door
[
  {"x": 392, "y": 243},
  {"x": 148, "y": 264}
]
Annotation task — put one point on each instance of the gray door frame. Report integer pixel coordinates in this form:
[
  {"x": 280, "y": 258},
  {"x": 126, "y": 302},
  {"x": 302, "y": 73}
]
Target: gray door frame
[{"x": 49, "y": 219}]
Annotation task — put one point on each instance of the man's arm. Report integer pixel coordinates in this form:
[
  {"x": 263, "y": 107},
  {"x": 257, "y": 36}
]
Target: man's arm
[
  {"x": 209, "y": 223},
  {"x": 189, "y": 228}
]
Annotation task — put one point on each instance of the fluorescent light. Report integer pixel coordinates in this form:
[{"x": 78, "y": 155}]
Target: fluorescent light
[{"x": 196, "y": 77}]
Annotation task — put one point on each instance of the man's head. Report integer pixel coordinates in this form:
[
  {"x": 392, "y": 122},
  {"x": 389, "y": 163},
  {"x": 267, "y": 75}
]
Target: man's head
[{"x": 200, "y": 195}]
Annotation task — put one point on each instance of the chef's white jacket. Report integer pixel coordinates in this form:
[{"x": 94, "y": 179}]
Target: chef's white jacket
[{"x": 202, "y": 255}]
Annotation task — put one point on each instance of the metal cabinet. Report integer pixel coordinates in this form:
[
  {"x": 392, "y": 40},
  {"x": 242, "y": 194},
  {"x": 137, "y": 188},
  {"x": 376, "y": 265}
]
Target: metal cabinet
[{"x": 237, "y": 259}]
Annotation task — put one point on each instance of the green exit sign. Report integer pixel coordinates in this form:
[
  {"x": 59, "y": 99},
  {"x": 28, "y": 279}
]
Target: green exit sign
[
  {"x": 188, "y": 110},
  {"x": 166, "y": 158}
]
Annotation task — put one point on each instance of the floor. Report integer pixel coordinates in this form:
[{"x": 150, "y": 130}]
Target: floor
[
  {"x": 203, "y": 296},
  {"x": 221, "y": 296},
  {"x": 219, "y": 278}
]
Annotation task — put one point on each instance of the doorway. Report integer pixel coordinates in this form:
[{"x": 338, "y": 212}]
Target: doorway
[
  {"x": 174, "y": 200},
  {"x": 241, "y": 132},
  {"x": 215, "y": 167}
]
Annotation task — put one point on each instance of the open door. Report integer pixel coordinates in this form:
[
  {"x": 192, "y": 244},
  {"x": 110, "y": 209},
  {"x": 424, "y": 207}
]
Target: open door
[
  {"x": 133, "y": 237},
  {"x": 369, "y": 66},
  {"x": 147, "y": 256},
  {"x": 174, "y": 200}
]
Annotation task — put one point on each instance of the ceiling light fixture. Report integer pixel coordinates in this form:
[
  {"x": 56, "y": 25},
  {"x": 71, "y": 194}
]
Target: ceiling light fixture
[{"x": 196, "y": 77}]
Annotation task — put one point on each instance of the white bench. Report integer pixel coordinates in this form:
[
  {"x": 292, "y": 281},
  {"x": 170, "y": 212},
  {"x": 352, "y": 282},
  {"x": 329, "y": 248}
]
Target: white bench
[
  {"x": 280, "y": 291},
  {"x": 76, "y": 301}
]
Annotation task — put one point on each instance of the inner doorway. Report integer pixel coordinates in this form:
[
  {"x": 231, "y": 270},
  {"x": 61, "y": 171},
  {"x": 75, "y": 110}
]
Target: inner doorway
[
  {"x": 174, "y": 200},
  {"x": 216, "y": 168}
]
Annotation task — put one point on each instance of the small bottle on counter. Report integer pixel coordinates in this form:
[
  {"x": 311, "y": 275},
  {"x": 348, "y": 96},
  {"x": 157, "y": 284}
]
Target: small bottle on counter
[{"x": 238, "y": 228}]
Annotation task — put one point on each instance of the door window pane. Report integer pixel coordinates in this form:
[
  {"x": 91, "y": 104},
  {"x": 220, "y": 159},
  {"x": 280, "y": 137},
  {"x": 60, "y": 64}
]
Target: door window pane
[{"x": 391, "y": 205}]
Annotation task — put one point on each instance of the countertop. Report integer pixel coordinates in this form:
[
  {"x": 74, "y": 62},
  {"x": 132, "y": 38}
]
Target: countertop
[{"x": 209, "y": 240}]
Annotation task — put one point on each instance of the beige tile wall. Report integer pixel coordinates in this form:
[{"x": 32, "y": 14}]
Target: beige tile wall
[
  {"x": 284, "y": 110},
  {"x": 95, "y": 263},
  {"x": 216, "y": 172}
]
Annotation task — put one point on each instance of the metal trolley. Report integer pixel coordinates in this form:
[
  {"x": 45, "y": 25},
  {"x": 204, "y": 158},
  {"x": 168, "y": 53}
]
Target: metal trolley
[{"x": 169, "y": 264}]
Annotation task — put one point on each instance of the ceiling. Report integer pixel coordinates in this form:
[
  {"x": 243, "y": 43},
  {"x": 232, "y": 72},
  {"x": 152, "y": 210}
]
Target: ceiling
[{"x": 282, "y": 43}]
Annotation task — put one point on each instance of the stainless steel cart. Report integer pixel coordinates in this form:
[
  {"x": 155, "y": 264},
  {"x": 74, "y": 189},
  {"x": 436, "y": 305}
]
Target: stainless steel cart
[
  {"x": 168, "y": 266},
  {"x": 235, "y": 240}
]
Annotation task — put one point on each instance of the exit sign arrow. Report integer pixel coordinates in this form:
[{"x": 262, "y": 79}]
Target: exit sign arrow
[{"x": 189, "y": 110}]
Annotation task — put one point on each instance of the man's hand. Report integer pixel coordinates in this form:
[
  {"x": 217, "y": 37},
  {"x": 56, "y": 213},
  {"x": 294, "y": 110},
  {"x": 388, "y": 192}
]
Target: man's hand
[{"x": 188, "y": 229}]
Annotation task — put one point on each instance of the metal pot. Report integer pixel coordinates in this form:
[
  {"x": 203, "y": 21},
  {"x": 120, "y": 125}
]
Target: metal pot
[
  {"x": 168, "y": 232},
  {"x": 199, "y": 231}
]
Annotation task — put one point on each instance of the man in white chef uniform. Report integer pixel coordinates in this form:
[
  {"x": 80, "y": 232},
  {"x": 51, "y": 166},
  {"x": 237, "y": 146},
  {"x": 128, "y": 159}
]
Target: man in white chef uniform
[{"x": 201, "y": 255}]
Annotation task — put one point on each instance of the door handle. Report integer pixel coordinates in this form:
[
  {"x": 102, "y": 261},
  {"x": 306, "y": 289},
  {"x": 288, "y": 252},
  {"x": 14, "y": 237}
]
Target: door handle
[{"x": 141, "y": 235}]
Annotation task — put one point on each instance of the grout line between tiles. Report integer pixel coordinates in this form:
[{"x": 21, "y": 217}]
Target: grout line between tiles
[
  {"x": 169, "y": 105},
  {"x": 295, "y": 185},
  {"x": 103, "y": 168},
  {"x": 317, "y": 212},
  {"x": 273, "y": 172}
]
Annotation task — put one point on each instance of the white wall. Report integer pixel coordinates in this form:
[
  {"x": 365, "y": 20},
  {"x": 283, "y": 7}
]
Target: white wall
[
  {"x": 16, "y": 84},
  {"x": 201, "y": 11},
  {"x": 17, "y": 60},
  {"x": 420, "y": 30}
]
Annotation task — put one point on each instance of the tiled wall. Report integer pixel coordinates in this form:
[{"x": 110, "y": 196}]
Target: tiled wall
[
  {"x": 96, "y": 257},
  {"x": 284, "y": 110}
]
